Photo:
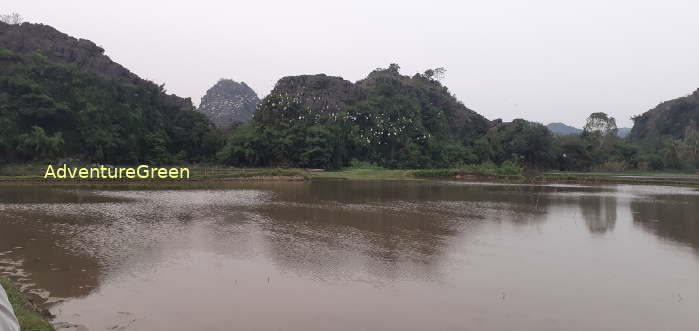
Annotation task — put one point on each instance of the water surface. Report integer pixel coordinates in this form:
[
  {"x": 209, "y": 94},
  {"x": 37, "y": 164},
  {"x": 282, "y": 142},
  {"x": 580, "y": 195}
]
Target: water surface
[{"x": 344, "y": 255}]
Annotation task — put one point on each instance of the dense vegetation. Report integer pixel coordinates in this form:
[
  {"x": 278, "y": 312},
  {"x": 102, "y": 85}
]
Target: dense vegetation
[
  {"x": 66, "y": 100},
  {"x": 388, "y": 119},
  {"x": 396, "y": 121},
  {"x": 50, "y": 111},
  {"x": 54, "y": 111},
  {"x": 668, "y": 135}
]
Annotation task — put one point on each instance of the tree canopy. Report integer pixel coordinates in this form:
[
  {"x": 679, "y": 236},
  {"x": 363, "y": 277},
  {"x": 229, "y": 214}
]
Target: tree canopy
[{"x": 53, "y": 110}]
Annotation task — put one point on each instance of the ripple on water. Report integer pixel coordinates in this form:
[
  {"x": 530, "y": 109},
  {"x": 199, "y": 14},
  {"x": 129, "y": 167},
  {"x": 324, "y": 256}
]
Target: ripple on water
[{"x": 125, "y": 222}]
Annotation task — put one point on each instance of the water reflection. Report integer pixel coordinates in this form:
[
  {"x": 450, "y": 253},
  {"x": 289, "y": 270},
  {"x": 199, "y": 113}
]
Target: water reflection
[
  {"x": 386, "y": 230},
  {"x": 599, "y": 212},
  {"x": 670, "y": 217}
]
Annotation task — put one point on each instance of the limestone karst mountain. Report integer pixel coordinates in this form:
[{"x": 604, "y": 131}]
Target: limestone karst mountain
[
  {"x": 678, "y": 118},
  {"x": 63, "y": 97},
  {"x": 386, "y": 100},
  {"x": 393, "y": 120},
  {"x": 229, "y": 102},
  {"x": 59, "y": 48}
]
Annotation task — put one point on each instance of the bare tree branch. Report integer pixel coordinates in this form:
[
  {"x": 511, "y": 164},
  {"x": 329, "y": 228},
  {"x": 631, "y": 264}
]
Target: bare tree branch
[{"x": 12, "y": 18}]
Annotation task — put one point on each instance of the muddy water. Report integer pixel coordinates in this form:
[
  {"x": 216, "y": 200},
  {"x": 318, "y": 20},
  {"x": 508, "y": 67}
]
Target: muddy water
[{"x": 340, "y": 255}]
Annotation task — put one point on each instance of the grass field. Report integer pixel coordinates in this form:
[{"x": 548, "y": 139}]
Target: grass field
[
  {"x": 365, "y": 174},
  {"x": 33, "y": 173}
]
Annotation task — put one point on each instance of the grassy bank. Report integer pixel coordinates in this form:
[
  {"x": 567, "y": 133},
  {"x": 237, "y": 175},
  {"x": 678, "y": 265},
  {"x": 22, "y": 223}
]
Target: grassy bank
[
  {"x": 483, "y": 171},
  {"x": 205, "y": 175},
  {"x": 35, "y": 172},
  {"x": 627, "y": 177},
  {"x": 514, "y": 175},
  {"x": 505, "y": 171},
  {"x": 29, "y": 319},
  {"x": 365, "y": 174}
]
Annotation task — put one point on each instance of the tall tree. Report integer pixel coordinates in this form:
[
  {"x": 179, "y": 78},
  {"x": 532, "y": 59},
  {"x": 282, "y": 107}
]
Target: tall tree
[{"x": 600, "y": 124}]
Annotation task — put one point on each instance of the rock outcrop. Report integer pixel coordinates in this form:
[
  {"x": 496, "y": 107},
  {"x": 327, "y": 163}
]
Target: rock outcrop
[
  {"x": 319, "y": 93},
  {"x": 384, "y": 103},
  {"x": 229, "y": 102},
  {"x": 678, "y": 118}
]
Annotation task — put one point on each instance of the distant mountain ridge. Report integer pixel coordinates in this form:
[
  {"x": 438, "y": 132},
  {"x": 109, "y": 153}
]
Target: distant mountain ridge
[
  {"x": 623, "y": 132},
  {"x": 563, "y": 129},
  {"x": 229, "y": 102}
]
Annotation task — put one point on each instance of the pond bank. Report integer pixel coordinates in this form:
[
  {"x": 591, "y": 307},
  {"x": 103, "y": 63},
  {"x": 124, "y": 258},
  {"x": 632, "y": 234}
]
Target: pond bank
[
  {"x": 206, "y": 175},
  {"x": 29, "y": 315}
]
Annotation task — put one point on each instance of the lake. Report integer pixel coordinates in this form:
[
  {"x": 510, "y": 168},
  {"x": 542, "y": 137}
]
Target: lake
[{"x": 357, "y": 255}]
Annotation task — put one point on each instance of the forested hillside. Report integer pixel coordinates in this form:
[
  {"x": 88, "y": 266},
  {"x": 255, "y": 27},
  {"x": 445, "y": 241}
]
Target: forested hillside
[
  {"x": 388, "y": 119},
  {"x": 670, "y": 131},
  {"x": 62, "y": 97}
]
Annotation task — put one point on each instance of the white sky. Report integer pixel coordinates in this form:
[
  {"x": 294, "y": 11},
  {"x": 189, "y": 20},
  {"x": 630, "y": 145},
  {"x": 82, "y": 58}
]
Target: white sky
[{"x": 546, "y": 61}]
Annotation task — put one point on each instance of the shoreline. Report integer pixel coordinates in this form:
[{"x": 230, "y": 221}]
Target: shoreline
[
  {"x": 28, "y": 313},
  {"x": 300, "y": 175}
]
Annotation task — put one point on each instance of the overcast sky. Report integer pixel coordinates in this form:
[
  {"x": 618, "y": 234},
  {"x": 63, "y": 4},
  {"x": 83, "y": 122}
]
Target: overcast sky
[{"x": 545, "y": 61}]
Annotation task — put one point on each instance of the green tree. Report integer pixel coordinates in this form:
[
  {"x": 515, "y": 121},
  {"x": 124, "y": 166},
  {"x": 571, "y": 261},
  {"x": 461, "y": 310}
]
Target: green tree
[
  {"x": 528, "y": 142},
  {"x": 95, "y": 119},
  {"x": 38, "y": 145},
  {"x": 600, "y": 124},
  {"x": 241, "y": 148}
]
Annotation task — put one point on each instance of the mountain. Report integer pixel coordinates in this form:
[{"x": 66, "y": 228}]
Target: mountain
[
  {"x": 59, "y": 48},
  {"x": 386, "y": 101},
  {"x": 62, "y": 97},
  {"x": 229, "y": 102},
  {"x": 678, "y": 118},
  {"x": 387, "y": 118},
  {"x": 562, "y": 129}
]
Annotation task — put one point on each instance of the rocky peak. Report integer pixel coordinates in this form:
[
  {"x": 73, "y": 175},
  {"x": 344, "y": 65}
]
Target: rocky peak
[
  {"x": 229, "y": 102},
  {"x": 319, "y": 93},
  {"x": 677, "y": 117},
  {"x": 59, "y": 47},
  {"x": 377, "y": 102}
]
